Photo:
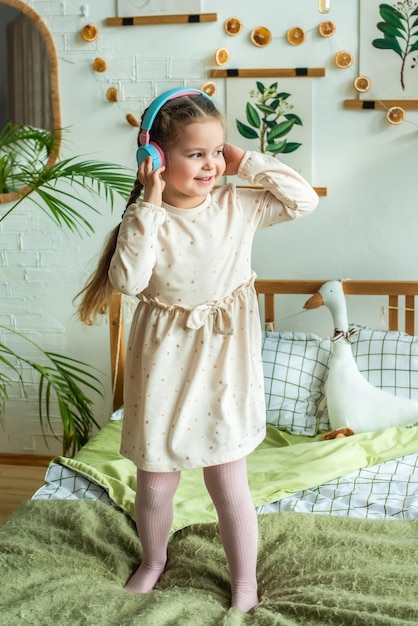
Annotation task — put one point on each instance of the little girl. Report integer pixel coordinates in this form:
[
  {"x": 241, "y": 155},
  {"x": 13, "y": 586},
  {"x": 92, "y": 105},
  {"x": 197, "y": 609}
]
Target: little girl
[{"x": 194, "y": 394}]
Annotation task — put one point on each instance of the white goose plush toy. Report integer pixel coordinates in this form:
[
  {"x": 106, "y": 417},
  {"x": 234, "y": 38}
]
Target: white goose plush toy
[{"x": 355, "y": 405}]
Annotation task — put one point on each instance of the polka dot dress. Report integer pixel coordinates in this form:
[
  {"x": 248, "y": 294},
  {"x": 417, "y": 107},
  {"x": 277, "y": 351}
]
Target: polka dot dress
[{"x": 194, "y": 393}]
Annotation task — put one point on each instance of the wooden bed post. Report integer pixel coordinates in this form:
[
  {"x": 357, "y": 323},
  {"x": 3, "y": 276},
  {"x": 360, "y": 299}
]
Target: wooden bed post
[
  {"x": 117, "y": 348},
  {"x": 410, "y": 315},
  {"x": 393, "y": 312}
]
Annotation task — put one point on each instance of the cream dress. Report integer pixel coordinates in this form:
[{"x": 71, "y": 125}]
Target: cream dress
[{"x": 194, "y": 393}]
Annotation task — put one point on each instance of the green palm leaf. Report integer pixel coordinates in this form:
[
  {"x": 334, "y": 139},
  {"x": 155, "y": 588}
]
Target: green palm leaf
[
  {"x": 23, "y": 153},
  {"x": 62, "y": 382},
  {"x": 60, "y": 191}
]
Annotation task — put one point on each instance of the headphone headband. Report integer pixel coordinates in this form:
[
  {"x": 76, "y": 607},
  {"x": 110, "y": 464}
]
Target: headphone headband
[{"x": 158, "y": 103}]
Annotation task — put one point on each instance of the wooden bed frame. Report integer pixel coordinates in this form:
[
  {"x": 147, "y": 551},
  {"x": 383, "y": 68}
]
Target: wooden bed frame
[{"x": 268, "y": 290}]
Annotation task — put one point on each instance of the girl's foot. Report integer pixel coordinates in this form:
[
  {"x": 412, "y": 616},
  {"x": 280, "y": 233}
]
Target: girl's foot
[
  {"x": 145, "y": 578},
  {"x": 245, "y": 600}
]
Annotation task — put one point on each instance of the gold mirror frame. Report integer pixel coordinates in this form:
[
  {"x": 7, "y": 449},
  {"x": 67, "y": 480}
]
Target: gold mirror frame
[{"x": 55, "y": 99}]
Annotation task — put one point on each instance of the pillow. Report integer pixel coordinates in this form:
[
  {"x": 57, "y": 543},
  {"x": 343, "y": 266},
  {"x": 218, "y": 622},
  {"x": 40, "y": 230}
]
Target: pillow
[
  {"x": 117, "y": 415},
  {"x": 295, "y": 368},
  {"x": 387, "y": 359}
]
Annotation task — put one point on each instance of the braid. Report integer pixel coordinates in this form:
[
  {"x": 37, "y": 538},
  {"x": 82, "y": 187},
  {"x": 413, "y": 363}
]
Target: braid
[{"x": 135, "y": 194}]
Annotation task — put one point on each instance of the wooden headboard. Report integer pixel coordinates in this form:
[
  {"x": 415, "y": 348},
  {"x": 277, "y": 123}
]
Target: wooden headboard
[{"x": 268, "y": 290}]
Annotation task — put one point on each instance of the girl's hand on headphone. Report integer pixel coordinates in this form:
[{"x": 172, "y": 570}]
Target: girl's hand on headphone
[
  {"x": 233, "y": 157},
  {"x": 152, "y": 182}
]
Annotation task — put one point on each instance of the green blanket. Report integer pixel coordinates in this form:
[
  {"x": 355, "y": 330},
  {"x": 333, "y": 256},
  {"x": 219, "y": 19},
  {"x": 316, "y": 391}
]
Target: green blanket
[
  {"x": 64, "y": 563},
  {"x": 283, "y": 464}
]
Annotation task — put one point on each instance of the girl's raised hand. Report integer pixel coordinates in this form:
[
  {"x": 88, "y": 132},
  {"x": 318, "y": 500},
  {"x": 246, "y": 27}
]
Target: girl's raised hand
[
  {"x": 152, "y": 182},
  {"x": 233, "y": 157}
]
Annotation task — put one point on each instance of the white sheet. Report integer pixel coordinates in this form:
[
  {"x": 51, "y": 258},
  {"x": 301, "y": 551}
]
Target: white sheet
[{"x": 387, "y": 490}]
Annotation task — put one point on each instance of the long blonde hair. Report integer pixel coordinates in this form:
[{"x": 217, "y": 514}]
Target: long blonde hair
[{"x": 167, "y": 127}]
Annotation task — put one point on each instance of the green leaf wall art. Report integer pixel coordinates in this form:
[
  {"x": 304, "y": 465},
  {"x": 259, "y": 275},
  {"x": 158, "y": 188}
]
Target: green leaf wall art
[
  {"x": 270, "y": 119},
  {"x": 400, "y": 32}
]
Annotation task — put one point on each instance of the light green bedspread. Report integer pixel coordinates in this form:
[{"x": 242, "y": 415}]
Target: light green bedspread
[
  {"x": 283, "y": 464},
  {"x": 64, "y": 563}
]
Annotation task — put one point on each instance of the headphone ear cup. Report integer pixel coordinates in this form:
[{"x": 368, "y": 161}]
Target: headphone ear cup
[{"x": 151, "y": 150}]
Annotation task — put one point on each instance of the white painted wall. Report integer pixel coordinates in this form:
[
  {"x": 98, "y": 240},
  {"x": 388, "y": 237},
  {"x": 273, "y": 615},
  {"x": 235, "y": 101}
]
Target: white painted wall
[{"x": 364, "y": 228}]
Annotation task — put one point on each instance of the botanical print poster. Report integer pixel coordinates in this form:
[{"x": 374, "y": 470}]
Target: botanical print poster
[
  {"x": 136, "y": 8},
  {"x": 389, "y": 48},
  {"x": 273, "y": 116}
]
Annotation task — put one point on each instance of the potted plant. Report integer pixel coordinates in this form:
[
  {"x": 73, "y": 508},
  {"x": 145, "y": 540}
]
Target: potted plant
[{"x": 28, "y": 172}]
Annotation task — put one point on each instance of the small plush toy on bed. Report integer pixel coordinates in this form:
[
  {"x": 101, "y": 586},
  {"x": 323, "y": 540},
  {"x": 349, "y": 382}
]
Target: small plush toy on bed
[{"x": 354, "y": 404}]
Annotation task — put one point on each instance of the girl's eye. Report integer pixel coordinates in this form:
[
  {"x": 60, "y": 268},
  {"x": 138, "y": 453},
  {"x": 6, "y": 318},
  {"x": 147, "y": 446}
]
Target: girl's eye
[
  {"x": 219, "y": 153},
  {"x": 195, "y": 155}
]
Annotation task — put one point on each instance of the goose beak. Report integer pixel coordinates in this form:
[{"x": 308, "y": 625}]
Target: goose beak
[{"x": 314, "y": 301}]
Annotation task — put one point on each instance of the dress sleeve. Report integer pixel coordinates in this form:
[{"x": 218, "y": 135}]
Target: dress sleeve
[
  {"x": 135, "y": 254},
  {"x": 283, "y": 195}
]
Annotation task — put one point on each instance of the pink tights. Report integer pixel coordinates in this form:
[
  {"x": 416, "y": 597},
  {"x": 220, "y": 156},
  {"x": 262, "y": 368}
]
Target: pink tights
[{"x": 227, "y": 485}]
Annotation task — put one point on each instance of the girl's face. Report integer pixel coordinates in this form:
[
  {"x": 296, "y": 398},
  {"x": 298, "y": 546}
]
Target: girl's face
[{"x": 194, "y": 165}]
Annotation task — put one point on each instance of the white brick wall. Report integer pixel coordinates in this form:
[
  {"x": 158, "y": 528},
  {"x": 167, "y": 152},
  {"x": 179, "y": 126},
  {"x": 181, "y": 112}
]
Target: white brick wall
[{"x": 366, "y": 165}]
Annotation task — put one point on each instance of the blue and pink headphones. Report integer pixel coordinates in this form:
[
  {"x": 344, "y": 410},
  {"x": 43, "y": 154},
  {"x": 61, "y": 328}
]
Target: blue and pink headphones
[{"x": 150, "y": 148}]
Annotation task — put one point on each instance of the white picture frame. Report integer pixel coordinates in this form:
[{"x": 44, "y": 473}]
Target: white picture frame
[
  {"x": 390, "y": 77},
  {"x": 237, "y": 95}
]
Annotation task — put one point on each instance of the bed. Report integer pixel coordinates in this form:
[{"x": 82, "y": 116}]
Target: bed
[{"x": 338, "y": 519}]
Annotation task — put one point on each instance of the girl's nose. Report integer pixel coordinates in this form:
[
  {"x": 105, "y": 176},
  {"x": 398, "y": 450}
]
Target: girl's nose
[{"x": 209, "y": 162}]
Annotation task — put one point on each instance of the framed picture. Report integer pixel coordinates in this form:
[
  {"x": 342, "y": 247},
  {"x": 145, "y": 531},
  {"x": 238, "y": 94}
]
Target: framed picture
[
  {"x": 136, "y": 8},
  {"x": 389, "y": 48},
  {"x": 272, "y": 116}
]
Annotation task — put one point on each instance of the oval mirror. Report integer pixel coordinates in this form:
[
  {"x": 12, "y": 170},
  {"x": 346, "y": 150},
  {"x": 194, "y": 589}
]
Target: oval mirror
[{"x": 29, "y": 88}]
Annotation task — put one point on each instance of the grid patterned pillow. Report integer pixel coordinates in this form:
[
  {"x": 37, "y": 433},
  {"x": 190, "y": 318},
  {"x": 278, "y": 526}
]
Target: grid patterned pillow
[
  {"x": 387, "y": 359},
  {"x": 295, "y": 369}
]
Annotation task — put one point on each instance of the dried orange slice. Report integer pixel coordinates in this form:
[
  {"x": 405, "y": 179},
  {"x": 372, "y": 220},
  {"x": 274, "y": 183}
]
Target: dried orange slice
[
  {"x": 326, "y": 29},
  {"x": 112, "y": 94},
  {"x": 343, "y": 59},
  {"x": 395, "y": 115},
  {"x": 90, "y": 32},
  {"x": 233, "y": 26},
  {"x": 260, "y": 36},
  {"x": 295, "y": 36},
  {"x": 222, "y": 56},
  {"x": 362, "y": 83},
  {"x": 209, "y": 88},
  {"x": 99, "y": 65},
  {"x": 132, "y": 120}
]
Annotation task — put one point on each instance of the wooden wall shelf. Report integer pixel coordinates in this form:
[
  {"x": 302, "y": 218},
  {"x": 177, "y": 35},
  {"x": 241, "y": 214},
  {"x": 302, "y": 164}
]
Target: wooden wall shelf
[
  {"x": 321, "y": 191},
  {"x": 278, "y": 72},
  {"x": 146, "y": 20},
  {"x": 380, "y": 104}
]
